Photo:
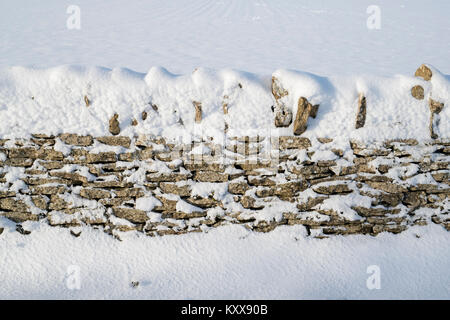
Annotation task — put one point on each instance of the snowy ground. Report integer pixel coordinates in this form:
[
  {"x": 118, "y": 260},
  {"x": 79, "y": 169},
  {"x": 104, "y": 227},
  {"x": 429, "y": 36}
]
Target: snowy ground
[
  {"x": 226, "y": 263},
  {"x": 326, "y": 37}
]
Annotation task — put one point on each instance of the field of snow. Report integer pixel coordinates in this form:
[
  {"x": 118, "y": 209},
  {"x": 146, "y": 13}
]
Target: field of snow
[
  {"x": 326, "y": 38},
  {"x": 226, "y": 263}
]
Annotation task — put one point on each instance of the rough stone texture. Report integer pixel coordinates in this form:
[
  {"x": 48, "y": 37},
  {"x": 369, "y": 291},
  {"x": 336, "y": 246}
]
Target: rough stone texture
[
  {"x": 114, "y": 126},
  {"x": 133, "y": 215},
  {"x": 333, "y": 189},
  {"x": 76, "y": 140},
  {"x": 424, "y": 72},
  {"x": 97, "y": 188},
  {"x": 115, "y": 141},
  {"x": 294, "y": 143},
  {"x": 304, "y": 109},
  {"x": 361, "y": 112},
  {"x": 435, "y": 106},
  {"x": 198, "y": 111},
  {"x": 418, "y": 92},
  {"x": 94, "y": 194},
  {"x": 283, "y": 116},
  {"x": 277, "y": 90}
]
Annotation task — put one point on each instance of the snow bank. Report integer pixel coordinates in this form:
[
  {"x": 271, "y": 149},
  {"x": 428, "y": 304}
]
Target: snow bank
[
  {"x": 226, "y": 263},
  {"x": 53, "y": 101}
]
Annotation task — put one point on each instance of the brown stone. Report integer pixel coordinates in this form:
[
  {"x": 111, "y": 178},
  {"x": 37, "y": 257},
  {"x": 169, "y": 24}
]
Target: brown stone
[
  {"x": 361, "y": 112},
  {"x": 166, "y": 177},
  {"x": 389, "y": 199},
  {"x": 102, "y": 157},
  {"x": 250, "y": 203},
  {"x": 19, "y": 217},
  {"x": 204, "y": 166},
  {"x": 94, "y": 193},
  {"x": 198, "y": 111},
  {"x": 288, "y": 142},
  {"x": 76, "y": 140},
  {"x": 441, "y": 176},
  {"x": 47, "y": 190},
  {"x": 277, "y": 90},
  {"x": 182, "y": 191},
  {"x": 417, "y": 92},
  {"x": 238, "y": 187},
  {"x": 264, "y": 192},
  {"x": 166, "y": 204},
  {"x": 133, "y": 215},
  {"x": 387, "y": 187},
  {"x": 87, "y": 101},
  {"x": 40, "y": 202},
  {"x": 314, "y": 111},
  {"x": 303, "y": 112},
  {"x": 283, "y": 116},
  {"x": 6, "y": 194},
  {"x": 333, "y": 189},
  {"x": 313, "y": 171},
  {"x": 435, "y": 106},
  {"x": 57, "y": 203},
  {"x": 130, "y": 193},
  {"x": 261, "y": 181},
  {"x": 11, "y": 204},
  {"x": 184, "y": 215},
  {"x": 210, "y": 176},
  {"x": 368, "y": 212},
  {"x": 203, "y": 203},
  {"x": 414, "y": 199},
  {"x": 19, "y": 162},
  {"x": 424, "y": 72},
  {"x": 115, "y": 141},
  {"x": 114, "y": 126},
  {"x": 74, "y": 178},
  {"x": 310, "y": 203}
]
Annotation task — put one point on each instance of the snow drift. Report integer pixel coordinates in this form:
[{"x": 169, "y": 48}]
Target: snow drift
[{"x": 53, "y": 101}]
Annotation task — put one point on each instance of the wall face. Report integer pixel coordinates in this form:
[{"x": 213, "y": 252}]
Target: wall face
[{"x": 156, "y": 187}]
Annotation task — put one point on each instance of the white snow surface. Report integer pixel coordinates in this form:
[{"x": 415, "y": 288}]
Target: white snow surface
[
  {"x": 52, "y": 101},
  {"x": 226, "y": 263},
  {"x": 47, "y": 69},
  {"x": 324, "y": 37}
]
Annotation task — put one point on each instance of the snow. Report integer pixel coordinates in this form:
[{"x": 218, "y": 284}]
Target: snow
[
  {"x": 322, "y": 37},
  {"x": 318, "y": 49},
  {"x": 51, "y": 101},
  {"x": 225, "y": 263}
]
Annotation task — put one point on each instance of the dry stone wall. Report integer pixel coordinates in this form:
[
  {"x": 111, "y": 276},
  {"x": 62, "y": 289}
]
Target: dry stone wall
[{"x": 119, "y": 184}]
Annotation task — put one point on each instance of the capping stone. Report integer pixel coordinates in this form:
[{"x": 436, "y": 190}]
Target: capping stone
[
  {"x": 361, "y": 113},
  {"x": 424, "y": 72},
  {"x": 114, "y": 127},
  {"x": 304, "y": 109},
  {"x": 418, "y": 92}
]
